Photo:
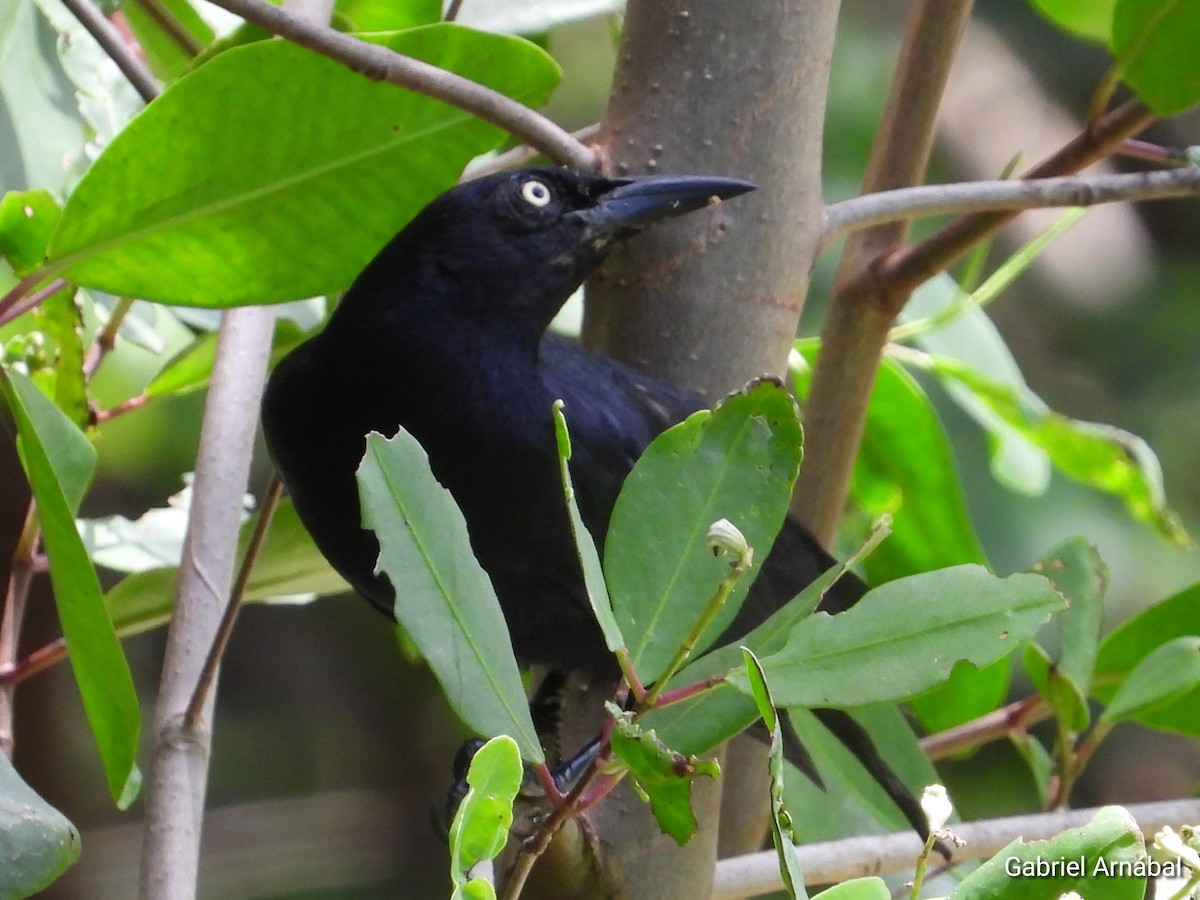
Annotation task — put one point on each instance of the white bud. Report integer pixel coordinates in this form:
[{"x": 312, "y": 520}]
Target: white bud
[
  {"x": 724, "y": 537},
  {"x": 935, "y": 802}
]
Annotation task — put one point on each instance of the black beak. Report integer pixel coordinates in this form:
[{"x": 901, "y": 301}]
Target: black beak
[{"x": 634, "y": 203}]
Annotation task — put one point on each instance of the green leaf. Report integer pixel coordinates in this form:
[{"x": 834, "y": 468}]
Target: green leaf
[
  {"x": 738, "y": 462},
  {"x": 661, "y": 775},
  {"x": 1091, "y": 19},
  {"x": 967, "y": 694},
  {"x": 1130, "y": 643},
  {"x": 44, "y": 135},
  {"x": 481, "y": 822},
  {"x": 1063, "y": 694},
  {"x": 1086, "y": 861},
  {"x": 857, "y": 889},
  {"x": 781, "y": 822},
  {"x": 289, "y": 563},
  {"x": 445, "y": 601},
  {"x": 168, "y": 59},
  {"x": 1079, "y": 574},
  {"x": 906, "y": 467},
  {"x": 903, "y": 638},
  {"x": 1038, "y": 760},
  {"x": 388, "y": 15},
  {"x": 191, "y": 368},
  {"x": 705, "y": 720},
  {"x": 289, "y": 569},
  {"x": 1155, "y": 42},
  {"x": 153, "y": 540},
  {"x": 475, "y": 889},
  {"x": 46, "y": 343},
  {"x": 1165, "y": 678},
  {"x": 37, "y": 842},
  {"x": 1101, "y": 456},
  {"x": 59, "y": 462},
  {"x": 230, "y": 195},
  {"x": 852, "y": 801},
  {"x": 26, "y": 220},
  {"x": 60, "y": 320},
  {"x": 585, "y": 546},
  {"x": 972, "y": 339},
  {"x": 98, "y": 92}
]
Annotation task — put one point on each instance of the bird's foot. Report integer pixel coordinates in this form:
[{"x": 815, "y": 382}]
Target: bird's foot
[{"x": 540, "y": 784}]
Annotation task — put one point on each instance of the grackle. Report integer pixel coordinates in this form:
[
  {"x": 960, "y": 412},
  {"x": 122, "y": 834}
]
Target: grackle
[{"x": 444, "y": 333}]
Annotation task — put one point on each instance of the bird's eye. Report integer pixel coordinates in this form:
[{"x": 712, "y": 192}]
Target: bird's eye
[{"x": 535, "y": 193}]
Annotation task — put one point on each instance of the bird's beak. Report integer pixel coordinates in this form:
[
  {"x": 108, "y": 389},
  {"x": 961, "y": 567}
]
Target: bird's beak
[{"x": 636, "y": 202}]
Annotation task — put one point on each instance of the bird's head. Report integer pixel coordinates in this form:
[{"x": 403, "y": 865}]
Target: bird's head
[{"x": 511, "y": 248}]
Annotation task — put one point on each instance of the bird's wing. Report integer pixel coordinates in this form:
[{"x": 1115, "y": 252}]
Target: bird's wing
[{"x": 612, "y": 413}]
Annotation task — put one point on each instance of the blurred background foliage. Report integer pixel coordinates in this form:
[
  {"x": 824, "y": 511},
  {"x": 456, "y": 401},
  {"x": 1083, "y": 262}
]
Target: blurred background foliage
[{"x": 332, "y": 749}]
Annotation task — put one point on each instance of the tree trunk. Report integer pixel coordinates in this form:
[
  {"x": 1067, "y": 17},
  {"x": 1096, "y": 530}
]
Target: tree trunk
[
  {"x": 709, "y": 302},
  {"x": 713, "y": 300}
]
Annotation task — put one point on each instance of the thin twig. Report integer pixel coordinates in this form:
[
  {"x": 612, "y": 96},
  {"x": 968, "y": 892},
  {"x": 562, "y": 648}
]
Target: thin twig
[
  {"x": 522, "y": 155},
  {"x": 943, "y": 199},
  {"x": 19, "y": 301},
  {"x": 137, "y": 401},
  {"x": 381, "y": 64},
  {"x": 453, "y": 10},
  {"x": 106, "y": 338},
  {"x": 1147, "y": 151},
  {"x": 836, "y": 861},
  {"x": 38, "y": 661},
  {"x": 865, "y": 307},
  {"x": 999, "y": 723},
  {"x": 172, "y": 27},
  {"x": 897, "y": 275},
  {"x": 35, "y": 299},
  {"x": 109, "y": 39},
  {"x": 221, "y": 639},
  {"x": 19, "y": 580},
  {"x": 536, "y": 845}
]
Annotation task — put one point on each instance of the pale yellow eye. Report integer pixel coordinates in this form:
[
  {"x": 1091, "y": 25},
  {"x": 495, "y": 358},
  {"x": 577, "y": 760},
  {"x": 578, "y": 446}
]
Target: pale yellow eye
[{"x": 535, "y": 193}]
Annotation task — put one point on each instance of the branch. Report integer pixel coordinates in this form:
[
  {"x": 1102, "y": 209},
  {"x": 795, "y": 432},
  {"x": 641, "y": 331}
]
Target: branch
[
  {"x": 894, "y": 277},
  {"x": 523, "y": 155},
  {"x": 15, "y": 303},
  {"x": 20, "y": 578},
  {"x": 381, "y": 64},
  {"x": 208, "y": 674},
  {"x": 865, "y": 306},
  {"x": 870, "y": 210},
  {"x": 836, "y": 861},
  {"x": 179, "y": 764},
  {"x": 110, "y": 40},
  {"x": 844, "y": 377},
  {"x": 993, "y": 726},
  {"x": 172, "y": 27}
]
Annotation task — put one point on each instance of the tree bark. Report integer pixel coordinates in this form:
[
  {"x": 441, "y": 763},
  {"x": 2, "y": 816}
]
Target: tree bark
[{"x": 712, "y": 300}]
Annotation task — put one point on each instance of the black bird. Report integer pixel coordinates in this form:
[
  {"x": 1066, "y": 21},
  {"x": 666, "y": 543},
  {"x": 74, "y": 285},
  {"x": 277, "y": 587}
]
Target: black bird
[{"x": 444, "y": 333}]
